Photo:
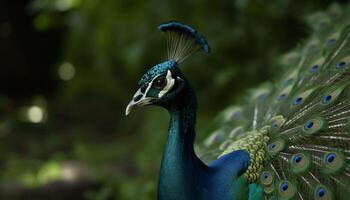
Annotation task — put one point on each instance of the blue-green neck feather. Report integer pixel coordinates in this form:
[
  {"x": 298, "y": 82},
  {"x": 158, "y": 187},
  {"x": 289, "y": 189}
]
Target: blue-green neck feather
[
  {"x": 179, "y": 159},
  {"x": 183, "y": 175}
]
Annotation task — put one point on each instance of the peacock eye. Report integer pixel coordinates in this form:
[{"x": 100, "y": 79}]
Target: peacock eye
[{"x": 160, "y": 82}]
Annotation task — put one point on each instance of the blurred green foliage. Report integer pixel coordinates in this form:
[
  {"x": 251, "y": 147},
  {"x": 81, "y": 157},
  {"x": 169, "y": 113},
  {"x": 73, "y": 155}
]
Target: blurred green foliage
[{"x": 108, "y": 46}]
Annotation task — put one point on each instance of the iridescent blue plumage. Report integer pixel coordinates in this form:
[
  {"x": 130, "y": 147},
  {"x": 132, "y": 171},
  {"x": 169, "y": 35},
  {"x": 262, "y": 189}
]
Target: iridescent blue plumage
[
  {"x": 288, "y": 140},
  {"x": 157, "y": 69}
]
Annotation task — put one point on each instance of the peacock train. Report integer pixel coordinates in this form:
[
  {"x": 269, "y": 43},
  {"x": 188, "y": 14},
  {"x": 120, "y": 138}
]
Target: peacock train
[{"x": 289, "y": 140}]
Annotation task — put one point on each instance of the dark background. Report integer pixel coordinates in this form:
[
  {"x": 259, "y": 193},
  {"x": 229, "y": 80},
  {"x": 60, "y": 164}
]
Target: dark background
[{"x": 69, "y": 67}]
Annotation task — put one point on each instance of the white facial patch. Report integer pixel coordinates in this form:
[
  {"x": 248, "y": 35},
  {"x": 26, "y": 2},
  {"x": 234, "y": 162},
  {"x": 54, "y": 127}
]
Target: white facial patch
[
  {"x": 170, "y": 83},
  {"x": 143, "y": 98}
]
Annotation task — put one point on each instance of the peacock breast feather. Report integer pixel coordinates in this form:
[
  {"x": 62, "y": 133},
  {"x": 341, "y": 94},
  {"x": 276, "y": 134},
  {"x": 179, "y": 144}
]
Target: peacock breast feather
[{"x": 254, "y": 143}]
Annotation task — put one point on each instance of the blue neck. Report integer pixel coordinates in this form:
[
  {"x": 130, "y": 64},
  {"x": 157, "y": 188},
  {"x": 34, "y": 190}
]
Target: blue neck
[
  {"x": 183, "y": 175},
  {"x": 179, "y": 162}
]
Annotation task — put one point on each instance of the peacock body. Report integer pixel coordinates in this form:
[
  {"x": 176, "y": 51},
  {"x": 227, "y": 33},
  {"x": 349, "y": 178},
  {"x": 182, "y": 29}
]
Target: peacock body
[{"x": 290, "y": 139}]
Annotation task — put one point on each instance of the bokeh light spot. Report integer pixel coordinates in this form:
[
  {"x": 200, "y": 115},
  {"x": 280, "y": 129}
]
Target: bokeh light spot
[
  {"x": 64, "y": 5},
  {"x": 66, "y": 71},
  {"x": 35, "y": 114}
]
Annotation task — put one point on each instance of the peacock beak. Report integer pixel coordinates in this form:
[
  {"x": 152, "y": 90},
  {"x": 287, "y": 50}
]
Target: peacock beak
[
  {"x": 139, "y": 99},
  {"x": 131, "y": 106}
]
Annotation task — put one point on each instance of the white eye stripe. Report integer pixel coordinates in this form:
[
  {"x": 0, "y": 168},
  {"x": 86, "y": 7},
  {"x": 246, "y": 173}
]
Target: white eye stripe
[
  {"x": 148, "y": 88},
  {"x": 170, "y": 84}
]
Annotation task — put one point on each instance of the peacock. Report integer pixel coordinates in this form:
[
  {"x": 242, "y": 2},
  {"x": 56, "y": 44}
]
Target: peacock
[{"x": 288, "y": 139}]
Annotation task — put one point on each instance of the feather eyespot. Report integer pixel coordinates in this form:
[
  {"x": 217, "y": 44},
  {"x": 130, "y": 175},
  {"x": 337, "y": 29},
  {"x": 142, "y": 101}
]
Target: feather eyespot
[
  {"x": 284, "y": 186},
  {"x": 326, "y": 99},
  {"x": 282, "y": 97},
  {"x": 272, "y": 146},
  {"x": 331, "y": 96},
  {"x": 284, "y": 93},
  {"x": 286, "y": 190},
  {"x": 322, "y": 193},
  {"x": 333, "y": 162},
  {"x": 300, "y": 162},
  {"x": 266, "y": 178},
  {"x": 297, "y": 159},
  {"x": 314, "y": 125},
  {"x": 309, "y": 125},
  {"x": 301, "y": 98},
  {"x": 235, "y": 115},
  {"x": 274, "y": 125},
  {"x": 276, "y": 146},
  {"x": 232, "y": 113},
  {"x": 224, "y": 145},
  {"x": 235, "y": 132},
  {"x": 340, "y": 65},
  {"x": 217, "y": 137},
  {"x": 330, "y": 42},
  {"x": 314, "y": 68},
  {"x": 330, "y": 158},
  {"x": 297, "y": 101}
]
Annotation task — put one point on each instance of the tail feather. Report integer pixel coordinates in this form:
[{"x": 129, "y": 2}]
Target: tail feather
[{"x": 308, "y": 115}]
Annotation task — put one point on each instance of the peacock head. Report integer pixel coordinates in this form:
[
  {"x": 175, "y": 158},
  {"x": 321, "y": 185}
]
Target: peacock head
[
  {"x": 163, "y": 83},
  {"x": 160, "y": 85}
]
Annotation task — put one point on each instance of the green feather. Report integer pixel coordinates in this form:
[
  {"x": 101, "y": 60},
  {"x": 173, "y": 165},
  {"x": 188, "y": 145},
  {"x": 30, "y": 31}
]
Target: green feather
[{"x": 303, "y": 117}]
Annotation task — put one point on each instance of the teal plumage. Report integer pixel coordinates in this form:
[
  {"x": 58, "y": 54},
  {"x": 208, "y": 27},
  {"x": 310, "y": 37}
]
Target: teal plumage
[
  {"x": 289, "y": 139},
  {"x": 307, "y": 112}
]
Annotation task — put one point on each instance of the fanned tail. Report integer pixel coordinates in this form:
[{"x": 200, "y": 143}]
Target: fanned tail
[{"x": 303, "y": 120}]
